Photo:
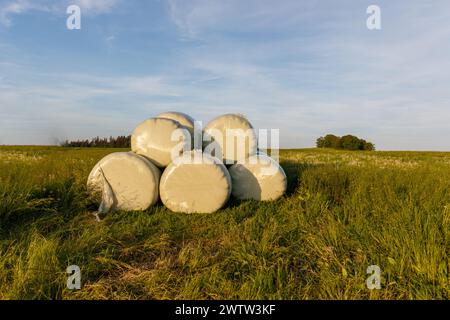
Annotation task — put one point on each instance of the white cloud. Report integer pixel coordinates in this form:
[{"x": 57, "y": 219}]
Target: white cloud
[
  {"x": 10, "y": 8},
  {"x": 305, "y": 67},
  {"x": 196, "y": 18},
  {"x": 18, "y": 7},
  {"x": 77, "y": 105},
  {"x": 326, "y": 72},
  {"x": 97, "y": 6}
]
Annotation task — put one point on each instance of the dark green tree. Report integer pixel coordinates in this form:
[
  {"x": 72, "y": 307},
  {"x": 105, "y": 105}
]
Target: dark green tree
[
  {"x": 329, "y": 141},
  {"x": 350, "y": 142},
  {"x": 347, "y": 142},
  {"x": 97, "y": 142}
]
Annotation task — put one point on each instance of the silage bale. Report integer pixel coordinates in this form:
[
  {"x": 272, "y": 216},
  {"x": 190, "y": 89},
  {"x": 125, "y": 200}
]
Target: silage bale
[
  {"x": 230, "y": 137},
  {"x": 262, "y": 152},
  {"x": 133, "y": 182},
  {"x": 160, "y": 140},
  {"x": 195, "y": 183},
  {"x": 182, "y": 118},
  {"x": 259, "y": 177}
]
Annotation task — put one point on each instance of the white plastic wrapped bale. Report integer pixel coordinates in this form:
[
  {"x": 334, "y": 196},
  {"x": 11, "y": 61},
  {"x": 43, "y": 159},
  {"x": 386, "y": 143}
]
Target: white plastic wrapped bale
[
  {"x": 132, "y": 180},
  {"x": 160, "y": 140},
  {"x": 195, "y": 183},
  {"x": 262, "y": 152},
  {"x": 231, "y": 137},
  {"x": 259, "y": 177},
  {"x": 184, "y": 119}
]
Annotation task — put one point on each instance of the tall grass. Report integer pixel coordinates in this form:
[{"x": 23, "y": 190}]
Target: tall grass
[{"x": 343, "y": 212}]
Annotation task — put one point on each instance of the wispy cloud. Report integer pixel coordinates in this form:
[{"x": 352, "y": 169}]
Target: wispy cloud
[
  {"x": 16, "y": 7},
  {"x": 11, "y": 8},
  {"x": 318, "y": 69},
  {"x": 97, "y": 6},
  {"x": 305, "y": 67},
  {"x": 198, "y": 17}
]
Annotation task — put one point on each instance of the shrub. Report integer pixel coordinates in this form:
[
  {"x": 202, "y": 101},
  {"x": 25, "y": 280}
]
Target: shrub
[{"x": 347, "y": 142}]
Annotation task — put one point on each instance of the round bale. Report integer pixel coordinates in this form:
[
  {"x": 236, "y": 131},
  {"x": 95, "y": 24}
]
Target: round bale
[
  {"x": 184, "y": 119},
  {"x": 160, "y": 140},
  {"x": 195, "y": 183},
  {"x": 230, "y": 137},
  {"x": 134, "y": 180},
  {"x": 259, "y": 177}
]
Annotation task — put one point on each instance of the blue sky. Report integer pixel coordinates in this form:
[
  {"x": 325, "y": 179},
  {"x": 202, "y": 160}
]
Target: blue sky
[{"x": 305, "y": 67}]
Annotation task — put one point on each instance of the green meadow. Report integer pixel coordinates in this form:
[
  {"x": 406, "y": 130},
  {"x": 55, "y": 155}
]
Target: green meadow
[{"x": 343, "y": 212}]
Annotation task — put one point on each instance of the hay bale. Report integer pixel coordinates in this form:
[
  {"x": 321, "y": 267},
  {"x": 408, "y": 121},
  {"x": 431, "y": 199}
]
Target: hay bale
[
  {"x": 182, "y": 118},
  {"x": 259, "y": 178},
  {"x": 160, "y": 140},
  {"x": 230, "y": 137},
  {"x": 195, "y": 183},
  {"x": 132, "y": 179}
]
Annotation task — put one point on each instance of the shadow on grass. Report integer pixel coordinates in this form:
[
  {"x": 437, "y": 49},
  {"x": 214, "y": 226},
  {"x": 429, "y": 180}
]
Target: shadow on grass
[{"x": 294, "y": 171}]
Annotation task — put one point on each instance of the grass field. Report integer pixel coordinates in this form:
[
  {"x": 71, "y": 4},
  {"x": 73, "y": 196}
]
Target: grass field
[{"x": 343, "y": 212}]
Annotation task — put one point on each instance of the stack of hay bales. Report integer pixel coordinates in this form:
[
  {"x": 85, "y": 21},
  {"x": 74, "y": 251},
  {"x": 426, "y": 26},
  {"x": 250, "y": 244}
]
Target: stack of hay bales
[{"x": 164, "y": 165}]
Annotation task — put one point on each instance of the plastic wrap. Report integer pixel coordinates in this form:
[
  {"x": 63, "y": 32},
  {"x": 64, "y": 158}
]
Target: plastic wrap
[
  {"x": 259, "y": 177},
  {"x": 230, "y": 137},
  {"x": 182, "y": 118},
  {"x": 126, "y": 181},
  {"x": 160, "y": 140},
  {"x": 195, "y": 183}
]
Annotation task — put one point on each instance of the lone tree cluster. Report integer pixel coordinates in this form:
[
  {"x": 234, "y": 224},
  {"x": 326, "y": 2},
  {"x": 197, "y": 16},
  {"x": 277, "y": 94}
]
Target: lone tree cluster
[{"x": 348, "y": 142}]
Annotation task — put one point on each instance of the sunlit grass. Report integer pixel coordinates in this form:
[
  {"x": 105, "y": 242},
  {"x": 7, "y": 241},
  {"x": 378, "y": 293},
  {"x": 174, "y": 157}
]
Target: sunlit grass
[{"x": 343, "y": 212}]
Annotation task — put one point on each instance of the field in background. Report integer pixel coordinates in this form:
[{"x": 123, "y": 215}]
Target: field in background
[{"x": 343, "y": 212}]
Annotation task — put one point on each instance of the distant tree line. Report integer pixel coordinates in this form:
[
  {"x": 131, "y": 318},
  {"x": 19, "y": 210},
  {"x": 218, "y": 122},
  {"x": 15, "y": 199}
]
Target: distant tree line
[
  {"x": 97, "y": 142},
  {"x": 347, "y": 142}
]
